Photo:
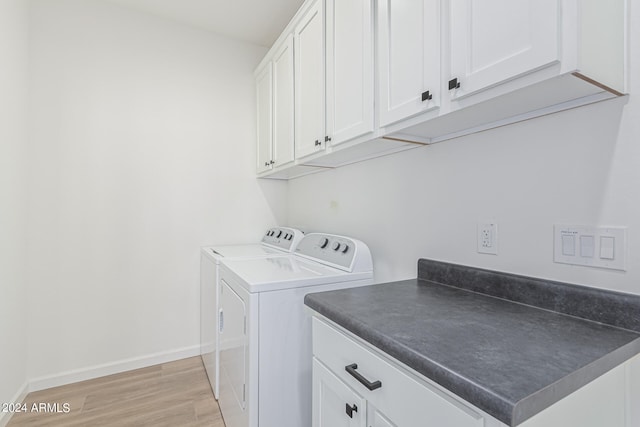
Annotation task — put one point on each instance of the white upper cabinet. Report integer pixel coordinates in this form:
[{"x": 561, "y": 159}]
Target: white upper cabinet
[
  {"x": 264, "y": 97},
  {"x": 505, "y": 61},
  {"x": 309, "y": 82},
  {"x": 283, "y": 104},
  {"x": 274, "y": 96},
  {"x": 408, "y": 58},
  {"x": 493, "y": 41},
  {"x": 441, "y": 69},
  {"x": 350, "y": 69}
]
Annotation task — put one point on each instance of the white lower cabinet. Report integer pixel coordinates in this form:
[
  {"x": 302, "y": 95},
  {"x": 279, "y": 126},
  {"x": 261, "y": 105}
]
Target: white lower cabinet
[
  {"x": 334, "y": 403},
  {"x": 380, "y": 391},
  {"x": 346, "y": 374}
]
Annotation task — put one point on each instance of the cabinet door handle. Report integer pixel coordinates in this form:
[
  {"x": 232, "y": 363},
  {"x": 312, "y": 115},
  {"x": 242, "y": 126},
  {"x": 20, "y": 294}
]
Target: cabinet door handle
[
  {"x": 351, "y": 409},
  {"x": 271, "y": 162},
  {"x": 220, "y": 320},
  {"x": 318, "y": 142},
  {"x": 327, "y": 139},
  {"x": 351, "y": 369},
  {"x": 426, "y": 96},
  {"x": 454, "y": 84}
]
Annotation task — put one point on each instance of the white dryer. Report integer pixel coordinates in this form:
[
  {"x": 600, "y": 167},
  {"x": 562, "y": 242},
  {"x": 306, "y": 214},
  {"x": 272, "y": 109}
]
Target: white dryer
[
  {"x": 276, "y": 241},
  {"x": 265, "y": 338}
]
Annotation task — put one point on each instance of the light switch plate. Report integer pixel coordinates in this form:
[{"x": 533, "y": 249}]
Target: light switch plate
[{"x": 602, "y": 247}]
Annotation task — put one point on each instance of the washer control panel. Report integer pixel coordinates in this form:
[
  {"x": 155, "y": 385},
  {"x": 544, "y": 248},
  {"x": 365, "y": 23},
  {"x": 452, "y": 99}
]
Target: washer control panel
[
  {"x": 337, "y": 251},
  {"x": 283, "y": 238}
]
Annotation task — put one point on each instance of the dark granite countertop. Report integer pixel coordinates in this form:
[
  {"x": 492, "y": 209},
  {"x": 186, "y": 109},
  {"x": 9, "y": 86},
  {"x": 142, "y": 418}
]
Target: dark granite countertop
[{"x": 510, "y": 359}]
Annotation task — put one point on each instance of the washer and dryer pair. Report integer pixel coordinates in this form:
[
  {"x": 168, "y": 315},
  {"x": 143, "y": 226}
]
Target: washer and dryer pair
[
  {"x": 256, "y": 346},
  {"x": 276, "y": 241}
]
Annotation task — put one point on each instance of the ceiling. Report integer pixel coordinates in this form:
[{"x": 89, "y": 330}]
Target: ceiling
[{"x": 254, "y": 21}]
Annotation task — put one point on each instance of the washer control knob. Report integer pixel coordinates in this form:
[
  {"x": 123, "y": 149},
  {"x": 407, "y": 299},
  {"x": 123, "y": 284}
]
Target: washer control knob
[
  {"x": 345, "y": 249},
  {"x": 324, "y": 242},
  {"x": 336, "y": 246}
]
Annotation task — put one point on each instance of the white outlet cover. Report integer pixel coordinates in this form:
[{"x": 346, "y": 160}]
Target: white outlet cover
[{"x": 487, "y": 238}]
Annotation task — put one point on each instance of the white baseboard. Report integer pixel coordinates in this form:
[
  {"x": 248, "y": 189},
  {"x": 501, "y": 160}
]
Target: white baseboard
[
  {"x": 19, "y": 397},
  {"x": 117, "y": 367}
]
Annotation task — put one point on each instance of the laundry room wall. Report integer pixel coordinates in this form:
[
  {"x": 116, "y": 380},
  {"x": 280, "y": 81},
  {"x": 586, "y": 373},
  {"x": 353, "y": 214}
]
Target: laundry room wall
[
  {"x": 142, "y": 150},
  {"x": 578, "y": 167},
  {"x": 13, "y": 190}
]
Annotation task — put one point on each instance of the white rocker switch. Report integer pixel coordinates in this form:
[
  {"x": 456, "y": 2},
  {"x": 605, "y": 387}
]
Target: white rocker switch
[
  {"x": 587, "y": 244},
  {"x": 606, "y": 247},
  {"x": 568, "y": 245}
]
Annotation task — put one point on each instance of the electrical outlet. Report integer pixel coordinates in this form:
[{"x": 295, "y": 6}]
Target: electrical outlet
[{"x": 488, "y": 238}]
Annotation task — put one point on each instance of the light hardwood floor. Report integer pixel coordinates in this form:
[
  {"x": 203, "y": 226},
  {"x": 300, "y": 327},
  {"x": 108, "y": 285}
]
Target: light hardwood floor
[{"x": 171, "y": 394}]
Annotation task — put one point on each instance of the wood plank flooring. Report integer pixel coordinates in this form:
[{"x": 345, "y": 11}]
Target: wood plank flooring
[{"x": 171, "y": 394}]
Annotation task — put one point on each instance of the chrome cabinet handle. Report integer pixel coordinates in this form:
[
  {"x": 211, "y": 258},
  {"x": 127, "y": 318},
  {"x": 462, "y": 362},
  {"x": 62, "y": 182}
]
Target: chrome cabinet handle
[{"x": 351, "y": 369}]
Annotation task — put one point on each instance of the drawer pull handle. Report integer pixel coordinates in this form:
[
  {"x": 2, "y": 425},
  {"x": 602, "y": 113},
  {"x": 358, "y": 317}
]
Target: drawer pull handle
[
  {"x": 351, "y": 409},
  {"x": 351, "y": 369}
]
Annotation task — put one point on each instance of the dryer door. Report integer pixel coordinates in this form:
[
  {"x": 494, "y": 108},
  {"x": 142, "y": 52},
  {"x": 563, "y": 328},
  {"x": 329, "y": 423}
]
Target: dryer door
[{"x": 233, "y": 352}]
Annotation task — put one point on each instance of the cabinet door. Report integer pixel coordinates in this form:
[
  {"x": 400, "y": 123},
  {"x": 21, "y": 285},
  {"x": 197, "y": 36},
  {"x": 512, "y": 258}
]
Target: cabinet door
[
  {"x": 309, "y": 77},
  {"x": 283, "y": 102},
  {"x": 409, "y": 58},
  {"x": 349, "y": 65},
  {"x": 496, "y": 40},
  {"x": 377, "y": 419},
  {"x": 264, "y": 96},
  {"x": 334, "y": 403}
]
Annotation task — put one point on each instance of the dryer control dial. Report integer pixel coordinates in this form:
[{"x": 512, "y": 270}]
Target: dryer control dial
[
  {"x": 324, "y": 242},
  {"x": 336, "y": 246}
]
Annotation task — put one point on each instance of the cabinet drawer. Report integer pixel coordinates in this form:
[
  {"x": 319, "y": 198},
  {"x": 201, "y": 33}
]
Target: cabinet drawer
[{"x": 402, "y": 398}]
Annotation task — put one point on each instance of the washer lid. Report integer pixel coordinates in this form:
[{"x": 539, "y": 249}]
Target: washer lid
[
  {"x": 241, "y": 251},
  {"x": 285, "y": 272}
]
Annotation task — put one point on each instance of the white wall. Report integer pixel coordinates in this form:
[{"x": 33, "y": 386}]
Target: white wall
[
  {"x": 577, "y": 167},
  {"x": 13, "y": 144},
  {"x": 142, "y": 150}
]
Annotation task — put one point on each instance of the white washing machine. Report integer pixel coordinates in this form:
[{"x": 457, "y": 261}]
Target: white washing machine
[
  {"x": 265, "y": 330},
  {"x": 276, "y": 241}
]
